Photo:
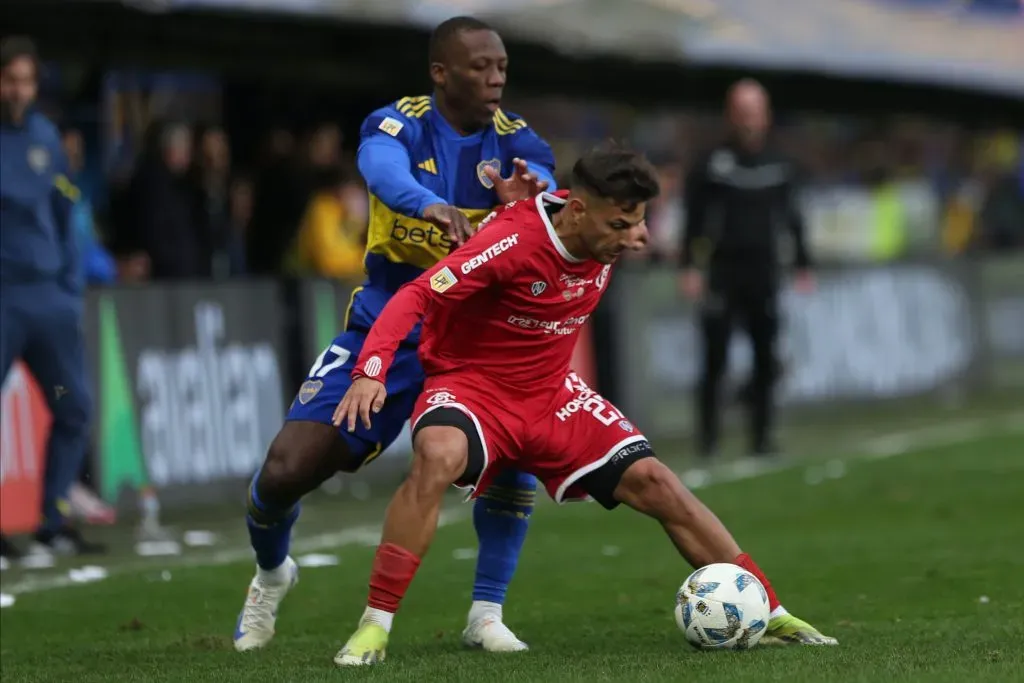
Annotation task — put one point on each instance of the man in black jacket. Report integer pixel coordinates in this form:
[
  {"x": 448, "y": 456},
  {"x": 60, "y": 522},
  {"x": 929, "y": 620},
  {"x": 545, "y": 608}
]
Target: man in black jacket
[{"x": 740, "y": 198}]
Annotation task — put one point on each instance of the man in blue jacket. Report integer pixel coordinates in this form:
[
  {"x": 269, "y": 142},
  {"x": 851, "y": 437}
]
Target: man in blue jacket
[{"x": 40, "y": 285}]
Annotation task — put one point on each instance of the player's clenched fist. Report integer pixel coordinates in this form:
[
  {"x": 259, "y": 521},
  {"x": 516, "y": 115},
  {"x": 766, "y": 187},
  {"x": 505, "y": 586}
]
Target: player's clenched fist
[
  {"x": 451, "y": 220},
  {"x": 363, "y": 397}
]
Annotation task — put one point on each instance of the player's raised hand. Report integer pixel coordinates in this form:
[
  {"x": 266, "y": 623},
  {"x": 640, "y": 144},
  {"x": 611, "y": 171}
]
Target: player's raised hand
[
  {"x": 451, "y": 220},
  {"x": 520, "y": 185},
  {"x": 365, "y": 396}
]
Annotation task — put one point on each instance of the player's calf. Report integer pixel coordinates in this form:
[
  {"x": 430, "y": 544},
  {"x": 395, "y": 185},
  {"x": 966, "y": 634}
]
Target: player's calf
[
  {"x": 650, "y": 487},
  {"x": 440, "y": 455},
  {"x": 301, "y": 457}
]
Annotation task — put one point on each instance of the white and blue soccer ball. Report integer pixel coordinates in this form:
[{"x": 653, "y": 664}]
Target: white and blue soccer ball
[{"x": 722, "y": 606}]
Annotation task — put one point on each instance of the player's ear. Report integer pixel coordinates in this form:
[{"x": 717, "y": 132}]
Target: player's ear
[
  {"x": 437, "y": 74},
  {"x": 577, "y": 206}
]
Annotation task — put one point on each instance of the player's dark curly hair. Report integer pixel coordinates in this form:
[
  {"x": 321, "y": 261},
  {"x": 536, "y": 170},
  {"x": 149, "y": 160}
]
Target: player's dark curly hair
[
  {"x": 618, "y": 174},
  {"x": 448, "y": 29}
]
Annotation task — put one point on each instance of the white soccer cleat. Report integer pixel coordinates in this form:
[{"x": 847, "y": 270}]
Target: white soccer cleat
[
  {"x": 490, "y": 633},
  {"x": 255, "y": 626}
]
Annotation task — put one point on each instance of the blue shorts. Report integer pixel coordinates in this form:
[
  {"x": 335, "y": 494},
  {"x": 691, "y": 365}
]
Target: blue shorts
[{"x": 331, "y": 376}]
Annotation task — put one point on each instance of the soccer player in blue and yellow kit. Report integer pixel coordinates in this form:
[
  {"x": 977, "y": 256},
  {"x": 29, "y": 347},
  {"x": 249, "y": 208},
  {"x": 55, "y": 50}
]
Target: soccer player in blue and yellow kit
[{"x": 434, "y": 166}]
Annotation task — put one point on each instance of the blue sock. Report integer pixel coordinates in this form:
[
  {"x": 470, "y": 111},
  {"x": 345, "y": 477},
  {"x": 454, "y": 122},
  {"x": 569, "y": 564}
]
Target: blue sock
[
  {"x": 501, "y": 516},
  {"x": 270, "y": 529}
]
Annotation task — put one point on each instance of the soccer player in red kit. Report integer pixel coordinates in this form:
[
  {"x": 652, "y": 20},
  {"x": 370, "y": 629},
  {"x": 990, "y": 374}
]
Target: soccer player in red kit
[{"x": 499, "y": 389}]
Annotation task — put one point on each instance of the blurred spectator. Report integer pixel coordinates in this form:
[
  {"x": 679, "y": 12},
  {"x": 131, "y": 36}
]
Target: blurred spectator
[
  {"x": 332, "y": 236},
  {"x": 241, "y": 200},
  {"x": 96, "y": 263},
  {"x": 163, "y": 220},
  {"x": 277, "y": 204},
  {"x": 211, "y": 182},
  {"x": 283, "y": 190},
  {"x": 666, "y": 212}
]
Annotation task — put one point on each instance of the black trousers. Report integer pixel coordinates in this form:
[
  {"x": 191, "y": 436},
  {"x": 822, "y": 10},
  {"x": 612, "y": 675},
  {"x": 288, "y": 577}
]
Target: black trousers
[{"x": 735, "y": 298}]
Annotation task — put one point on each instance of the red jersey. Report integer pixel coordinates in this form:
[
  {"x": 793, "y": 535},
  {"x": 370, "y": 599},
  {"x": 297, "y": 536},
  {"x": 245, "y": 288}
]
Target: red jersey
[{"x": 507, "y": 304}]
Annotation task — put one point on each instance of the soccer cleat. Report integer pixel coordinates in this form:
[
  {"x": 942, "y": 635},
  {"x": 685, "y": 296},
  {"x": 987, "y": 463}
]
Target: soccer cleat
[
  {"x": 786, "y": 629},
  {"x": 255, "y": 626},
  {"x": 490, "y": 634},
  {"x": 367, "y": 646}
]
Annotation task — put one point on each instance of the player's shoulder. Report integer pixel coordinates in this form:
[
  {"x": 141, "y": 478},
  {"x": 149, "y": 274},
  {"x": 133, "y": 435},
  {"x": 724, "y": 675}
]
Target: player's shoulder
[
  {"x": 403, "y": 119},
  {"x": 507, "y": 123}
]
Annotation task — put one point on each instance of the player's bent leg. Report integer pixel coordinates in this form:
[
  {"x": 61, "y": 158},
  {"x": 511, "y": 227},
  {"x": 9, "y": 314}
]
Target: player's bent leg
[
  {"x": 650, "y": 487},
  {"x": 440, "y": 458},
  {"x": 500, "y": 518},
  {"x": 301, "y": 457}
]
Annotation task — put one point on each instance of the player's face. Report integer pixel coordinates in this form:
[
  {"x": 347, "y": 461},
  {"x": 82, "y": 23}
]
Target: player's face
[
  {"x": 607, "y": 229},
  {"x": 18, "y": 87},
  {"x": 473, "y": 79}
]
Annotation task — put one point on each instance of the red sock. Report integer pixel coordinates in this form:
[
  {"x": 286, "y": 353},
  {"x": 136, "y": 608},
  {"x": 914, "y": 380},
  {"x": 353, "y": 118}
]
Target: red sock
[
  {"x": 747, "y": 563},
  {"x": 393, "y": 569}
]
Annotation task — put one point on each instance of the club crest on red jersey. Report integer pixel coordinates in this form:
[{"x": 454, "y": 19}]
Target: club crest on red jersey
[{"x": 538, "y": 287}]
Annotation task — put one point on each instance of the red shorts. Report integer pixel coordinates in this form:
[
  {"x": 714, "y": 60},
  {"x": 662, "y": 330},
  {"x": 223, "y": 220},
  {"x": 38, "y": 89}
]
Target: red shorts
[{"x": 559, "y": 439}]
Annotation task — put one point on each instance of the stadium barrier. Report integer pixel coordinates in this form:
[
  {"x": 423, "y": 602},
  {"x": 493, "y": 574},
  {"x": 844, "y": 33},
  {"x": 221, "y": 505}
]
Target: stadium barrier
[
  {"x": 865, "y": 334},
  {"x": 190, "y": 380}
]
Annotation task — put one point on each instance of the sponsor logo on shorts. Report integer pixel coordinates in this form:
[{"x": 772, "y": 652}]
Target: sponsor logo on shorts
[
  {"x": 373, "y": 366},
  {"x": 443, "y": 280},
  {"x": 496, "y": 249},
  {"x": 589, "y": 401},
  {"x": 631, "y": 449},
  {"x": 309, "y": 389},
  {"x": 440, "y": 398},
  {"x": 538, "y": 287},
  {"x": 567, "y": 326}
]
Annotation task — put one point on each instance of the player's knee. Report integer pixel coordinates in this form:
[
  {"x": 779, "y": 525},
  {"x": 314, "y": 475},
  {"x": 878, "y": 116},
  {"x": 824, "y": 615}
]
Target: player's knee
[
  {"x": 652, "y": 488},
  {"x": 280, "y": 470},
  {"x": 441, "y": 454},
  {"x": 291, "y": 469}
]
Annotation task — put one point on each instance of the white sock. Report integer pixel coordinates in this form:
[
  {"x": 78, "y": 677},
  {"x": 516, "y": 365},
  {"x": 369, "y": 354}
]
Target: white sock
[
  {"x": 274, "y": 577},
  {"x": 778, "y": 612},
  {"x": 482, "y": 608},
  {"x": 378, "y": 617}
]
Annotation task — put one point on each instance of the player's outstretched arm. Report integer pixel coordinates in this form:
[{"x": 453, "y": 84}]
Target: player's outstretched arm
[
  {"x": 385, "y": 163},
  {"x": 482, "y": 263}
]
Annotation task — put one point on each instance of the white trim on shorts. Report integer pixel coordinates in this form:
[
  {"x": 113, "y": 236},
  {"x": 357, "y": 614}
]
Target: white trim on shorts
[
  {"x": 479, "y": 430},
  {"x": 597, "y": 464}
]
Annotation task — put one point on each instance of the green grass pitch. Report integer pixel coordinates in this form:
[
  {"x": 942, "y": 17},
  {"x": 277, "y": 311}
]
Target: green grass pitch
[{"x": 892, "y": 555}]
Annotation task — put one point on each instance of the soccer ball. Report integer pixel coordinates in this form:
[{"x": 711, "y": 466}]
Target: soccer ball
[{"x": 722, "y": 606}]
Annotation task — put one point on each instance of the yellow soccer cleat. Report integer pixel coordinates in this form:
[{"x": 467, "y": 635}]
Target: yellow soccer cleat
[
  {"x": 366, "y": 646},
  {"x": 786, "y": 629}
]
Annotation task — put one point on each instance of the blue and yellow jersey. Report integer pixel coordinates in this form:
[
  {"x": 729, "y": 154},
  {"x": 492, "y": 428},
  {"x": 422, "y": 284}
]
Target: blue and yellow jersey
[{"x": 411, "y": 158}]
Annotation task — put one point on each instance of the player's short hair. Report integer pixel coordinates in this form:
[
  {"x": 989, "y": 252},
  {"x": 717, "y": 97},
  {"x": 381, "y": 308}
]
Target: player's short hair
[
  {"x": 17, "y": 47},
  {"x": 443, "y": 34},
  {"x": 618, "y": 174}
]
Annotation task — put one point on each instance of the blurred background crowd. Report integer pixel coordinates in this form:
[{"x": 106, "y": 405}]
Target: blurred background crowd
[{"x": 191, "y": 172}]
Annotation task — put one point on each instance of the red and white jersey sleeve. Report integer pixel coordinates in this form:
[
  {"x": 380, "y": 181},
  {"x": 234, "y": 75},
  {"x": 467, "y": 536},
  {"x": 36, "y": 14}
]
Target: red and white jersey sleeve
[{"x": 486, "y": 260}]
